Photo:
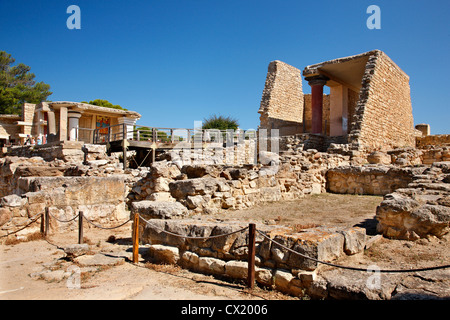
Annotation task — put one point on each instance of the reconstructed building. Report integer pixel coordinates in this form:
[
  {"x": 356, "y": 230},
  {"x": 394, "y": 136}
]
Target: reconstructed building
[
  {"x": 62, "y": 121},
  {"x": 368, "y": 108}
]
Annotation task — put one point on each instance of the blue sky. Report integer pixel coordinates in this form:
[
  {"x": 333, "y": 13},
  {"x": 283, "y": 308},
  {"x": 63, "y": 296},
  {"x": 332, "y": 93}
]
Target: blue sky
[{"x": 180, "y": 61}]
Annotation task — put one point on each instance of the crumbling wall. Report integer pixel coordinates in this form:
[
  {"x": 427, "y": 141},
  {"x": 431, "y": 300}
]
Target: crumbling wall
[
  {"x": 102, "y": 199},
  {"x": 369, "y": 179},
  {"x": 282, "y": 100},
  {"x": 433, "y": 140},
  {"x": 276, "y": 267},
  {"x": 383, "y": 117},
  {"x": 214, "y": 188}
]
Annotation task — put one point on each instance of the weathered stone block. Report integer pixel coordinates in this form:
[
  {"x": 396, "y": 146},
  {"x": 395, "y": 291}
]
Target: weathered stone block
[
  {"x": 211, "y": 265},
  {"x": 354, "y": 240},
  {"x": 236, "y": 269},
  {"x": 159, "y": 209},
  {"x": 164, "y": 254},
  {"x": 264, "y": 276}
]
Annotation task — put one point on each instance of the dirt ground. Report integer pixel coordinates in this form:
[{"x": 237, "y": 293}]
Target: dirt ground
[{"x": 21, "y": 261}]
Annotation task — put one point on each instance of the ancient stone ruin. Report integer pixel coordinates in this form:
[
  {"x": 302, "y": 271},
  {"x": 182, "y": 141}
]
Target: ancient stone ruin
[{"x": 359, "y": 139}]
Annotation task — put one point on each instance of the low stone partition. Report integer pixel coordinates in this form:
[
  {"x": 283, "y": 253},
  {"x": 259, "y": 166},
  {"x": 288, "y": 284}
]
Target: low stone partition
[
  {"x": 100, "y": 198},
  {"x": 213, "y": 188},
  {"x": 69, "y": 151},
  {"x": 419, "y": 210},
  {"x": 370, "y": 179},
  {"x": 434, "y": 140},
  {"x": 227, "y": 255}
]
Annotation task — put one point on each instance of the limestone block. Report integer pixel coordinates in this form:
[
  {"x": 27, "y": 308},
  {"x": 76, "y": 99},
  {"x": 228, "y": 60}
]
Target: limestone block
[
  {"x": 76, "y": 250},
  {"x": 320, "y": 243},
  {"x": 192, "y": 187},
  {"x": 354, "y": 240},
  {"x": 5, "y": 215},
  {"x": 164, "y": 254},
  {"x": 13, "y": 200},
  {"x": 190, "y": 259},
  {"x": 194, "y": 202},
  {"x": 379, "y": 157},
  {"x": 282, "y": 279},
  {"x": 159, "y": 209},
  {"x": 161, "y": 196},
  {"x": 236, "y": 269},
  {"x": 264, "y": 276},
  {"x": 211, "y": 265}
]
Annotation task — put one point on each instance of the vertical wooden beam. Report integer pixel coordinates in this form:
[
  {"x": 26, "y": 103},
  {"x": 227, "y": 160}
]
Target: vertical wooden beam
[
  {"x": 136, "y": 238},
  {"x": 251, "y": 255},
  {"x": 47, "y": 222},
  {"x": 43, "y": 224},
  {"x": 80, "y": 227},
  {"x": 124, "y": 151}
]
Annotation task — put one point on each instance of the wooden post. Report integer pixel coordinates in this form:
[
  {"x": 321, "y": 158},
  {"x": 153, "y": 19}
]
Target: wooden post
[
  {"x": 47, "y": 222},
  {"x": 154, "y": 135},
  {"x": 136, "y": 238},
  {"x": 124, "y": 154},
  {"x": 80, "y": 227},
  {"x": 251, "y": 255},
  {"x": 43, "y": 224}
]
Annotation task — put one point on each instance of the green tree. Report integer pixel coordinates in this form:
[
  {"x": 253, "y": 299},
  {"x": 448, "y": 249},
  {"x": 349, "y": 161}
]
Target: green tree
[
  {"x": 220, "y": 122},
  {"x": 17, "y": 86},
  {"x": 104, "y": 103}
]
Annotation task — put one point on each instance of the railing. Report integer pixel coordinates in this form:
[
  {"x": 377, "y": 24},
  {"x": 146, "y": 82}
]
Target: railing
[{"x": 169, "y": 135}]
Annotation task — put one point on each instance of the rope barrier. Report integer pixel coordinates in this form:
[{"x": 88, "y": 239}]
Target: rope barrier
[
  {"x": 193, "y": 238},
  {"x": 31, "y": 218},
  {"x": 39, "y": 215},
  {"x": 351, "y": 268},
  {"x": 63, "y": 221},
  {"x": 106, "y": 228}
]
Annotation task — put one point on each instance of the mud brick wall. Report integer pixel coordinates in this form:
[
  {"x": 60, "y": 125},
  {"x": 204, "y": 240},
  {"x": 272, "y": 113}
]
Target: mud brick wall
[
  {"x": 282, "y": 99},
  {"x": 384, "y": 113}
]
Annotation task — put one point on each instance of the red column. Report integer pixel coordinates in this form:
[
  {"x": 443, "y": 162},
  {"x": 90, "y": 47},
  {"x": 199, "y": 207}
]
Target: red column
[{"x": 317, "y": 84}]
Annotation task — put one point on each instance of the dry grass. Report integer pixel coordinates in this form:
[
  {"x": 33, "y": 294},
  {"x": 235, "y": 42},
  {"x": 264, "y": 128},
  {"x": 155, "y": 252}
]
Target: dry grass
[
  {"x": 328, "y": 209},
  {"x": 30, "y": 237}
]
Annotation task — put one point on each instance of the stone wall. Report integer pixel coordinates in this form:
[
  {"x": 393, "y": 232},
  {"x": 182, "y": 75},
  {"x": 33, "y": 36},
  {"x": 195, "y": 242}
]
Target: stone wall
[
  {"x": 433, "y": 140},
  {"x": 369, "y": 179},
  {"x": 100, "y": 198},
  {"x": 8, "y": 127},
  {"x": 239, "y": 153},
  {"x": 276, "y": 267},
  {"x": 68, "y": 151},
  {"x": 30, "y": 185},
  {"x": 214, "y": 188},
  {"x": 383, "y": 117},
  {"x": 282, "y": 99},
  {"x": 419, "y": 210}
]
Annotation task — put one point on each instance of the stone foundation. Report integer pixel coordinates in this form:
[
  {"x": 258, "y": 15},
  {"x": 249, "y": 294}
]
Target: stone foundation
[
  {"x": 275, "y": 266},
  {"x": 419, "y": 210},
  {"x": 369, "y": 179}
]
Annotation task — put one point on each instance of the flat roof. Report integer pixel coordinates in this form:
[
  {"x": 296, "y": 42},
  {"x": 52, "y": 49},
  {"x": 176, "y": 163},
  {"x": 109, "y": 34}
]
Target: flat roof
[{"x": 79, "y": 106}]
